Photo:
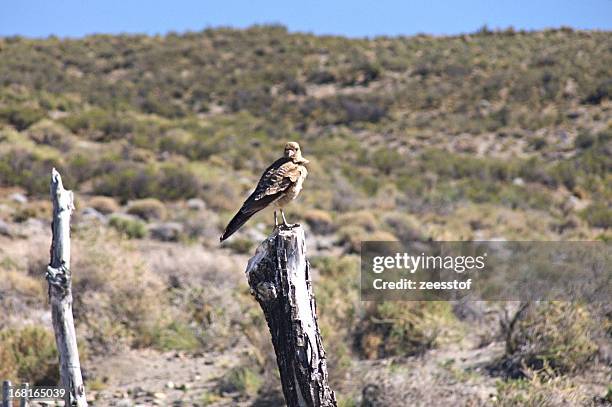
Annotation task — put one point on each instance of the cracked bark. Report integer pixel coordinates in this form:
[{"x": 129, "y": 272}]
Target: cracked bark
[
  {"x": 279, "y": 277},
  {"x": 60, "y": 294}
]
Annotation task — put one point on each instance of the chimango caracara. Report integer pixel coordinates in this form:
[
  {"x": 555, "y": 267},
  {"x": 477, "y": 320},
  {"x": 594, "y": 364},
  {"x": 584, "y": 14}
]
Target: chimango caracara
[{"x": 280, "y": 184}]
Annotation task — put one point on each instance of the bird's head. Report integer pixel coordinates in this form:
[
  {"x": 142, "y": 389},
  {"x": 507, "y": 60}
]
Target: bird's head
[{"x": 292, "y": 151}]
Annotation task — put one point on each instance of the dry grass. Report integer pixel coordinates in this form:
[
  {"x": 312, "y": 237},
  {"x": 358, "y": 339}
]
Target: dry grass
[
  {"x": 104, "y": 204},
  {"x": 29, "y": 355},
  {"x": 147, "y": 209},
  {"x": 116, "y": 298},
  {"x": 553, "y": 338}
]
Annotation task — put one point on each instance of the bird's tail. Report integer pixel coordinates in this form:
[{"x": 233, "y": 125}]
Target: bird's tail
[{"x": 237, "y": 221}]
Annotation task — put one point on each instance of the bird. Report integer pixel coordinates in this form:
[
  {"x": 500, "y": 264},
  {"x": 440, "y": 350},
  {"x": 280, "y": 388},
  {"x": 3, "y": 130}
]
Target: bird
[{"x": 280, "y": 184}]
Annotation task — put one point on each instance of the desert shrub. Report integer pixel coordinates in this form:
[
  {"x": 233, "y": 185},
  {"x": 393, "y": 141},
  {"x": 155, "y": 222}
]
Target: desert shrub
[
  {"x": 147, "y": 209},
  {"x": 537, "y": 143},
  {"x": 600, "y": 93},
  {"x": 363, "y": 219},
  {"x": 175, "y": 335},
  {"x": 386, "y": 160},
  {"x": 128, "y": 182},
  {"x": 381, "y": 236},
  {"x": 242, "y": 379},
  {"x": 598, "y": 214},
  {"x": 177, "y": 182},
  {"x": 99, "y": 125},
  {"x": 564, "y": 173},
  {"x": 241, "y": 245},
  {"x": 220, "y": 195},
  {"x": 554, "y": 337},
  {"x": 131, "y": 181},
  {"x": 21, "y": 117},
  {"x": 321, "y": 77},
  {"x": 351, "y": 237},
  {"x": 50, "y": 133},
  {"x": 166, "y": 231},
  {"x": 319, "y": 221},
  {"x": 36, "y": 209},
  {"x": 104, "y": 204},
  {"x": 584, "y": 140},
  {"x": 27, "y": 169},
  {"x": 540, "y": 391},
  {"x": 132, "y": 228},
  {"x": 29, "y": 355},
  {"x": 400, "y": 328},
  {"x": 345, "y": 109},
  {"x": 355, "y": 110},
  {"x": 118, "y": 301},
  {"x": 404, "y": 227},
  {"x": 31, "y": 289}
]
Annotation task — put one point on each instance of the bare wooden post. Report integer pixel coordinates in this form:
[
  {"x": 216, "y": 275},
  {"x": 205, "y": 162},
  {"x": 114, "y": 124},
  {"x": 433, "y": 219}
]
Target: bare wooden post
[
  {"x": 279, "y": 277},
  {"x": 60, "y": 294},
  {"x": 5, "y": 393}
]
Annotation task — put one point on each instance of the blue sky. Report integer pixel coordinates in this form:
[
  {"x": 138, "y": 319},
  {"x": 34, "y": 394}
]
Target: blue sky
[{"x": 355, "y": 18}]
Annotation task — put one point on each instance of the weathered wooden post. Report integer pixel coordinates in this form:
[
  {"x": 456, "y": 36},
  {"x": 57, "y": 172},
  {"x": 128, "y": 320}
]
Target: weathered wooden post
[
  {"x": 279, "y": 277},
  {"x": 6, "y": 385},
  {"x": 60, "y": 294}
]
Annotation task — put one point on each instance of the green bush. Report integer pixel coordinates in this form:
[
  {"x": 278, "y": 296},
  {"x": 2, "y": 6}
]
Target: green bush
[
  {"x": 555, "y": 337},
  {"x": 241, "y": 245},
  {"x": 21, "y": 116},
  {"x": 540, "y": 391},
  {"x": 132, "y": 181},
  {"x": 27, "y": 169},
  {"x": 584, "y": 140},
  {"x": 242, "y": 379},
  {"x": 174, "y": 336},
  {"x": 131, "y": 228},
  {"x": 29, "y": 355},
  {"x": 598, "y": 215},
  {"x": 99, "y": 125},
  {"x": 400, "y": 329}
]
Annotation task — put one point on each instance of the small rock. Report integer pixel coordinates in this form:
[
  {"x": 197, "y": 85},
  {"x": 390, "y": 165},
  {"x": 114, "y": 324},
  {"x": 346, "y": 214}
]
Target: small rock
[
  {"x": 91, "y": 396},
  {"x": 159, "y": 395},
  {"x": 124, "y": 403},
  {"x": 170, "y": 385},
  {"x": 166, "y": 232},
  {"x": 196, "y": 204},
  {"x": 93, "y": 214},
  {"x": 19, "y": 198},
  {"x": 5, "y": 229},
  {"x": 518, "y": 181}
]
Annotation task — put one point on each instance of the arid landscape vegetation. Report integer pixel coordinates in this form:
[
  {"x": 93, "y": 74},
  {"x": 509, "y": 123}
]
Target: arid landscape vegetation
[{"x": 493, "y": 135}]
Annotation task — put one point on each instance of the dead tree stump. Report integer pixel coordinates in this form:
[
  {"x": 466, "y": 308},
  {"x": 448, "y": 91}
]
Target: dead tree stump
[
  {"x": 279, "y": 277},
  {"x": 60, "y": 294}
]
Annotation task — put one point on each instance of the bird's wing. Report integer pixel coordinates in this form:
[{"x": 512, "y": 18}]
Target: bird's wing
[{"x": 275, "y": 180}]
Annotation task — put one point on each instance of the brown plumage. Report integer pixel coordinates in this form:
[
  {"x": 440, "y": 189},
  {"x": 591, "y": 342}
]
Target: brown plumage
[{"x": 280, "y": 184}]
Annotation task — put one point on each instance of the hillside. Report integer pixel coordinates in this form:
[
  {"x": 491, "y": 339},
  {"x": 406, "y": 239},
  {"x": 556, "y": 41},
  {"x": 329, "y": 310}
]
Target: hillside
[{"x": 491, "y": 135}]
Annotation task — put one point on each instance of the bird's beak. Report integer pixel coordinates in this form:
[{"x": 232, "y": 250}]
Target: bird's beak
[{"x": 290, "y": 153}]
